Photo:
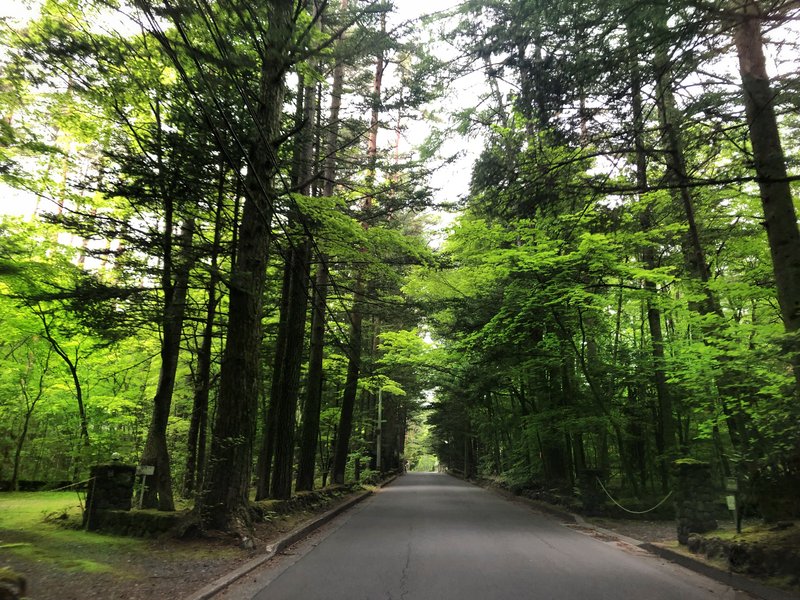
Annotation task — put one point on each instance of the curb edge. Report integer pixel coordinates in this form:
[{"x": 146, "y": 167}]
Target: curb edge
[
  {"x": 740, "y": 582},
  {"x": 734, "y": 580},
  {"x": 296, "y": 534}
]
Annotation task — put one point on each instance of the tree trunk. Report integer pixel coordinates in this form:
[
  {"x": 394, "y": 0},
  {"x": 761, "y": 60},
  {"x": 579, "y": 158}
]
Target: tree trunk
[
  {"x": 269, "y": 428},
  {"x": 727, "y": 382},
  {"x": 770, "y": 165},
  {"x": 313, "y": 403},
  {"x": 266, "y": 450},
  {"x": 311, "y": 409},
  {"x": 72, "y": 366},
  {"x": 158, "y": 490},
  {"x": 224, "y": 504},
  {"x": 277, "y": 442},
  {"x": 18, "y": 450},
  {"x": 665, "y": 437},
  {"x": 285, "y": 403},
  {"x": 356, "y": 315},
  {"x": 195, "y": 451},
  {"x": 350, "y": 388},
  {"x": 676, "y": 167},
  {"x": 30, "y": 406},
  {"x": 299, "y": 263}
]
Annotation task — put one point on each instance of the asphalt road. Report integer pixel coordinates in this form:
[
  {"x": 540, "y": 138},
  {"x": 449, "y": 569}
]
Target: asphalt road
[{"x": 433, "y": 537}]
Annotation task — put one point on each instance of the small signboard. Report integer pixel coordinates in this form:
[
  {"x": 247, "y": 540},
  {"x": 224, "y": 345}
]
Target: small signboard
[
  {"x": 731, "y": 500},
  {"x": 145, "y": 470}
]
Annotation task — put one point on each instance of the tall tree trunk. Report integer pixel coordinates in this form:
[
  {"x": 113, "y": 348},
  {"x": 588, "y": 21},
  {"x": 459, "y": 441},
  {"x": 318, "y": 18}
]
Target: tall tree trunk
[
  {"x": 30, "y": 406},
  {"x": 313, "y": 403},
  {"x": 14, "y": 483},
  {"x": 665, "y": 439},
  {"x": 356, "y": 315},
  {"x": 676, "y": 166},
  {"x": 72, "y": 366},
  {"x": 266, "y": 450},
  {"x": 285, "y": 403},
  {"x": 158, "y": 490},
  {"x": 202, "y": 386},
  {"x": 276, "y": 456},
  {"x": 224, "y": 504},
  {"x": 770, "y": 165},
  {"x": 300, "y": 262},
  {"x": 269, "y": 427},
  {"x": 350, "y": 387},
  {"x": 727, "y": 382}
]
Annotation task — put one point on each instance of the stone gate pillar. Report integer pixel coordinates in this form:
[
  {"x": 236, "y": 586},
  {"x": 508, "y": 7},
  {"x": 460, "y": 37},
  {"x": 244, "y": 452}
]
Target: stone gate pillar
[
  {"x": 593, "y": 499},
  {"x": 695, "y": 498},
  {"x": 111, "y": 488}
]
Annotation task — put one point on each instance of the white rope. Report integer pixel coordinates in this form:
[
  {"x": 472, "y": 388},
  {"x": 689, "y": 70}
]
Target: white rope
[
  {"x": 633, "y": 512},
  {"x": 66, "y": 487}
]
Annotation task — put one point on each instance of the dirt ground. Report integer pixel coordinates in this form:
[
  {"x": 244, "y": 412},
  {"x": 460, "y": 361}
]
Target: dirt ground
[
  {"x": 146, "y": 569},
  {"x": 162, "y": 571},
  {"x": 644, "y": 531}
]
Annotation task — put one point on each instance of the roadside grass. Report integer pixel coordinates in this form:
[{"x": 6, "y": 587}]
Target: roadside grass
[
  {"x": 42, "y": 530},
  {"x": 781, "y": 537},
  {"x": 787, "y": 534},
  {"x": 43, "y": 527},
  {"x": 26, "y": 510},
  {"x": 41, "y": 540}
]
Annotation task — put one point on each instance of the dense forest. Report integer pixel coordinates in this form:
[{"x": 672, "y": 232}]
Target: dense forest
[{"x": 231, "y": 268}]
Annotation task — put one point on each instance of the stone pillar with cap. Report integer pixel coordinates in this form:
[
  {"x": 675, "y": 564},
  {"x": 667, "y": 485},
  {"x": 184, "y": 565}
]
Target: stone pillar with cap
[{"x": 110, "y": 488}]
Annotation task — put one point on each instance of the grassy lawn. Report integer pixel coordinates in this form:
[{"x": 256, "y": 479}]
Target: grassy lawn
[
  {"x": 41, "y": 540},
  {"x": 40, "y": 537},
  {"x": 26, "y": 534}
]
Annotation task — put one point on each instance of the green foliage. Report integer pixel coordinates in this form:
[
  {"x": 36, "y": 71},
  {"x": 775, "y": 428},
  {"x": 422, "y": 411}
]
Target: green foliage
[
  {"x": 540, "y": 298},
  {"x": 532, "y": 334}
]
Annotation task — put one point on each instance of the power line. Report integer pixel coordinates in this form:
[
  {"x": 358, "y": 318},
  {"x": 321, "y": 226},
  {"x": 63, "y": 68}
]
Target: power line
[{"x": 216, "y": 37}]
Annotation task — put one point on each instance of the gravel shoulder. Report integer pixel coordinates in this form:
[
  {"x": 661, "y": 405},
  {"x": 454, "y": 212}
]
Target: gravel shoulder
[{"x": 661, "y": 532}]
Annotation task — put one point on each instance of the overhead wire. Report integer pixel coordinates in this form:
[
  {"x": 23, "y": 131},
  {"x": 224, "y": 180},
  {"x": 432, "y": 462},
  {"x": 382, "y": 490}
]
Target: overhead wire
[
  {"x": 159, "y": 33},
  {"x": 216, "y": 37},
  {"x": 161, "y": 36},
  {"x": 214, "y": 31}
]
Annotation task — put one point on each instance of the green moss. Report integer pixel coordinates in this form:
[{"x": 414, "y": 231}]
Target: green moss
[
  {"x": 35, "y": 527},
  {"x": 7, "y": 574},
  {"x": 83, "y": 565},
  {"x": 762, "y": 534},
  {"x": 21, "y": 510},
  {"x": 27, "y": 535},
  {"x": 689, "y": 461},
  {"x": 200, "y": 553},
  {"x": 786, "y": 582},
  {"x": 31, "y": 537}
]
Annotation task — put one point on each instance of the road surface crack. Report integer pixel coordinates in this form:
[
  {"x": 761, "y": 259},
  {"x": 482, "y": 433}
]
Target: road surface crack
[{"x": 404, "y": 575}]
